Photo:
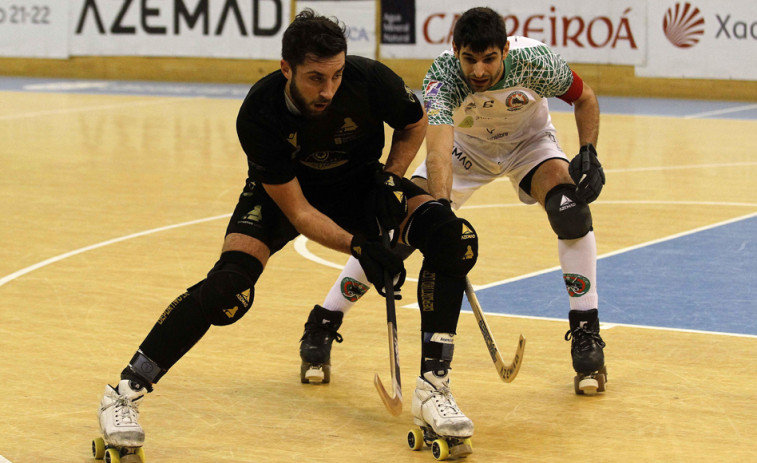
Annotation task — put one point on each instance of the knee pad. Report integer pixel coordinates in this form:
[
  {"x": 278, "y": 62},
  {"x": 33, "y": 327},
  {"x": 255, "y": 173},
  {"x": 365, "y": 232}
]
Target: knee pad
[
  {"x": 449, "y": 244},
  {"x": 569, "y": 217},
  {"x": 227, "y": 292}
]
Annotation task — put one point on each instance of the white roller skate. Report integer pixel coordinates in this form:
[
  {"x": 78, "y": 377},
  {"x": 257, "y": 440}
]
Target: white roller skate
[
  {"x": 443, "y": 426},
  {"x": 122, "y": 434}
]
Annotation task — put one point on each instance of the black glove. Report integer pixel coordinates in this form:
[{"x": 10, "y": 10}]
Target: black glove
[
  {"x": 586, "y": 171},
  {"x": 389, "y": 200},
  {"x": 376, "y": 259}
]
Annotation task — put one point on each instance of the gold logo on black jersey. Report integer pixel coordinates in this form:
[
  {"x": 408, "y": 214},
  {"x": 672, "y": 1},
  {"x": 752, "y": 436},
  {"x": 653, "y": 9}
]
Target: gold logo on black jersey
[
  {"x": 348, "y": 131},
  {"x": 323, "y": 160},
  {"x": 292, "y": 138}
]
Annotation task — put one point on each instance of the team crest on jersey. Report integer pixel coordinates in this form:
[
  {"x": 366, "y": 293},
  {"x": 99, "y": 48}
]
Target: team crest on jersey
[
  {"x": 324, "y": 160},
  {"x": 516, "y": 100},
  {"x": 432, "y": 88},
  {"x": 577, "y": 285}
]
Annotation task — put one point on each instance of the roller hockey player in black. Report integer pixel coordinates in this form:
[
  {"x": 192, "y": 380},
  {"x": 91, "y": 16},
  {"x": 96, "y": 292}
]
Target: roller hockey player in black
[{"x": 313, "y": 134}]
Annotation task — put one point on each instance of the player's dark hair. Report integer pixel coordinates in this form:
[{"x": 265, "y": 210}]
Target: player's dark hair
[
  {"x": 312, "y": 35},
  {"x": 480, "y": 28}
]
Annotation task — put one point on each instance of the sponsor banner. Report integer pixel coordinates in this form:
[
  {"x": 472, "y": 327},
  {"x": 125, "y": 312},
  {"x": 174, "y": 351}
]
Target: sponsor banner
[
  {"x": 34, "y": 28},
  {"x": 590, "y": 31},
  {"x": 358, "y": 15},
  {"x": 200, "y": 28},
  {"x": 398, "y": 21},
  {"x": 702, "y": 39}
]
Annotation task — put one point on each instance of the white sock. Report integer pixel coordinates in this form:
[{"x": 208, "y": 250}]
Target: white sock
[
  {"x": 578, "y": 259},
  {"x": 348, "y": 288}
]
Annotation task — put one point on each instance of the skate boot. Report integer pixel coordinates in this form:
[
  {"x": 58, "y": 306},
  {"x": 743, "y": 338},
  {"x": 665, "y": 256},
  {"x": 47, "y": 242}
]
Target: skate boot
[
  {"x": 586, "y": 348},
  {"x": 443, "y": 426},
  {"x": 118, "y": 414},
  {"x": 315, "y": 345}
]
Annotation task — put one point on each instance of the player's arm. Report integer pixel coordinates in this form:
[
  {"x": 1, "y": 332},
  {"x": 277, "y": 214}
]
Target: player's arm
[
  {"x": 374, "y": 257},
  {"x": 405, "y": 145},
  {"x": 586, "y": 111},
  {"x": 439, "y": 142},
  {"x": 307, "y": 219}
]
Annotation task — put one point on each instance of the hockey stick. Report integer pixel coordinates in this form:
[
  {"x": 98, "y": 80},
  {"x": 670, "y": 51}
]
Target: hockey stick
[
  {"x": 392, "y": 403},
  {"x": 507, "y": 371}
]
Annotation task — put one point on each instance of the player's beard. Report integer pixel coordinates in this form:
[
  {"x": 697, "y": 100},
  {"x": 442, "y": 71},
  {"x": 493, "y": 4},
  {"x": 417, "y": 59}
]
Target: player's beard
[{"x": 304, "y": 106}]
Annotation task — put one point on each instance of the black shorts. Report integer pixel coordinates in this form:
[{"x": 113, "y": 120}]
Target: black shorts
[{"x": 258, "y": 216}]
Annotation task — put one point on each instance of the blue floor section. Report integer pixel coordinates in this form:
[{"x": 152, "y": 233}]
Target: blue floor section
[{"x": 706, "y": 281}]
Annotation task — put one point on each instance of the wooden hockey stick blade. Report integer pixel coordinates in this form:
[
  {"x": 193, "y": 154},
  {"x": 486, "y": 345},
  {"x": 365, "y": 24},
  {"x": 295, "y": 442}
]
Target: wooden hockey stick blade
[
  {"x": 507, "y": 371},
  {"x": 393, "y": 402}
]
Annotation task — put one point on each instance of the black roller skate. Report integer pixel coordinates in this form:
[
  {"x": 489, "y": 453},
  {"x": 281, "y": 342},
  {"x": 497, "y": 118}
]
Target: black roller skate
[
  {"x": 586, "y": 348},
  {"x": 315, "y": 346}
]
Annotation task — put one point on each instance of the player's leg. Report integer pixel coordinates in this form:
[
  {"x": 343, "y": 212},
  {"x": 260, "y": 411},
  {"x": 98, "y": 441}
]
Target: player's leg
[
  {"x": 450, "y": 248},
  {"x": 324, "y": 320},
  {"x": 222, "y": 298},
  {"x": 571, "y": 220}
]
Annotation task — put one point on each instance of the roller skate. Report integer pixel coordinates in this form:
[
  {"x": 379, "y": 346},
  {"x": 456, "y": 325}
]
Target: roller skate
[
  {"x": 315, "y": 345},
  {"x": 586, "y": 348},
  {"x": 123, "y": 437},
  {"x": 443, "y": 427}
]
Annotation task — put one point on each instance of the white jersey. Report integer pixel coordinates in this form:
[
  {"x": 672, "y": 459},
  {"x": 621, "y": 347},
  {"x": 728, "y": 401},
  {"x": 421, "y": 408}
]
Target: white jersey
[{"x": 498, "y": 130}]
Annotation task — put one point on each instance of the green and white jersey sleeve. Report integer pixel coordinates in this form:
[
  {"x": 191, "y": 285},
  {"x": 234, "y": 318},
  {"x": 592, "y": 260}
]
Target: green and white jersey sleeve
[{"x": 510, "y": 111}]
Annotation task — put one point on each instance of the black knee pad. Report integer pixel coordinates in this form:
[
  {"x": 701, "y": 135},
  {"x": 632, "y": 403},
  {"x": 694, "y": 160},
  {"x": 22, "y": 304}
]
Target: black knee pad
[
  {"x": 449, "y": 244},
  {"x": 569, "y": 217},
  {"x": 227, "y": 292}
]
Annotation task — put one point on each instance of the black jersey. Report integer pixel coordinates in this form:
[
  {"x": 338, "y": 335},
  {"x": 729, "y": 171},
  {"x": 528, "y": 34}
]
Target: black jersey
[{"x": 334, "y": 149}]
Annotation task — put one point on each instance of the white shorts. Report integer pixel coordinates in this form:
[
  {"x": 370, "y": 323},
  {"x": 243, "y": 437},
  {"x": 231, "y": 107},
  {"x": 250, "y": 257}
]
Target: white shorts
[{"x": 476, "y": 163}]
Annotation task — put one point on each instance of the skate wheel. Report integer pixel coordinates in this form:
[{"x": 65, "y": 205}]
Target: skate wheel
[
  {"x": 587, "y": 385},
  {"x": 602, "y": 379},
  {"x": 141, "y": 454},
  {"x": 98, "y": 448},
  {"x": 440, "y": 449},
  {"x": 415, "y": 439},
  {"x": 112, "y": 456},
  {"x": 315, "y": 374},
  {"x": 469, "y": 443}
]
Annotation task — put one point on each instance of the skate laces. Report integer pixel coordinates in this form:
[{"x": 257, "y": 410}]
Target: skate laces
[
  {"x": 584, "y": 337},
  {"x": 321, "y": 333},
  {"x": 125, "y": 410},
  {"x": 445, "y": 402}
]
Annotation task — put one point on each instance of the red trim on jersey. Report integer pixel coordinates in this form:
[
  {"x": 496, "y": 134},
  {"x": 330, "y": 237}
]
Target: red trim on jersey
[{"x": 575, "y": 90}]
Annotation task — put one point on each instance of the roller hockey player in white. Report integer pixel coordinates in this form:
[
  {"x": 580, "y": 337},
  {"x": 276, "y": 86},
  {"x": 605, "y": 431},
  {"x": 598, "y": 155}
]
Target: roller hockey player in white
[{"x": 488, "y": 118}]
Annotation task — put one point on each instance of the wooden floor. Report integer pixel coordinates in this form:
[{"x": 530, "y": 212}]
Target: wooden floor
[{"x": 112, "y": 205}]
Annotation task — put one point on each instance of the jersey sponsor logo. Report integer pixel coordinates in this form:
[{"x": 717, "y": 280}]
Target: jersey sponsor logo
[
  {"x": 348, "y": 131},
  {"x": 292, "y": 139},
  {"x": 577, "y": 285},
  {"x": 466, "y": 123},
  {"x": 411, "y": 94},
  {"x": 352, "y": 290},
  {"x": 432, "y": 88},
  {"x": 324, "y": 160},
  {"x": 462, "y": 158},
  {"x": 516, "y": 100}
]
